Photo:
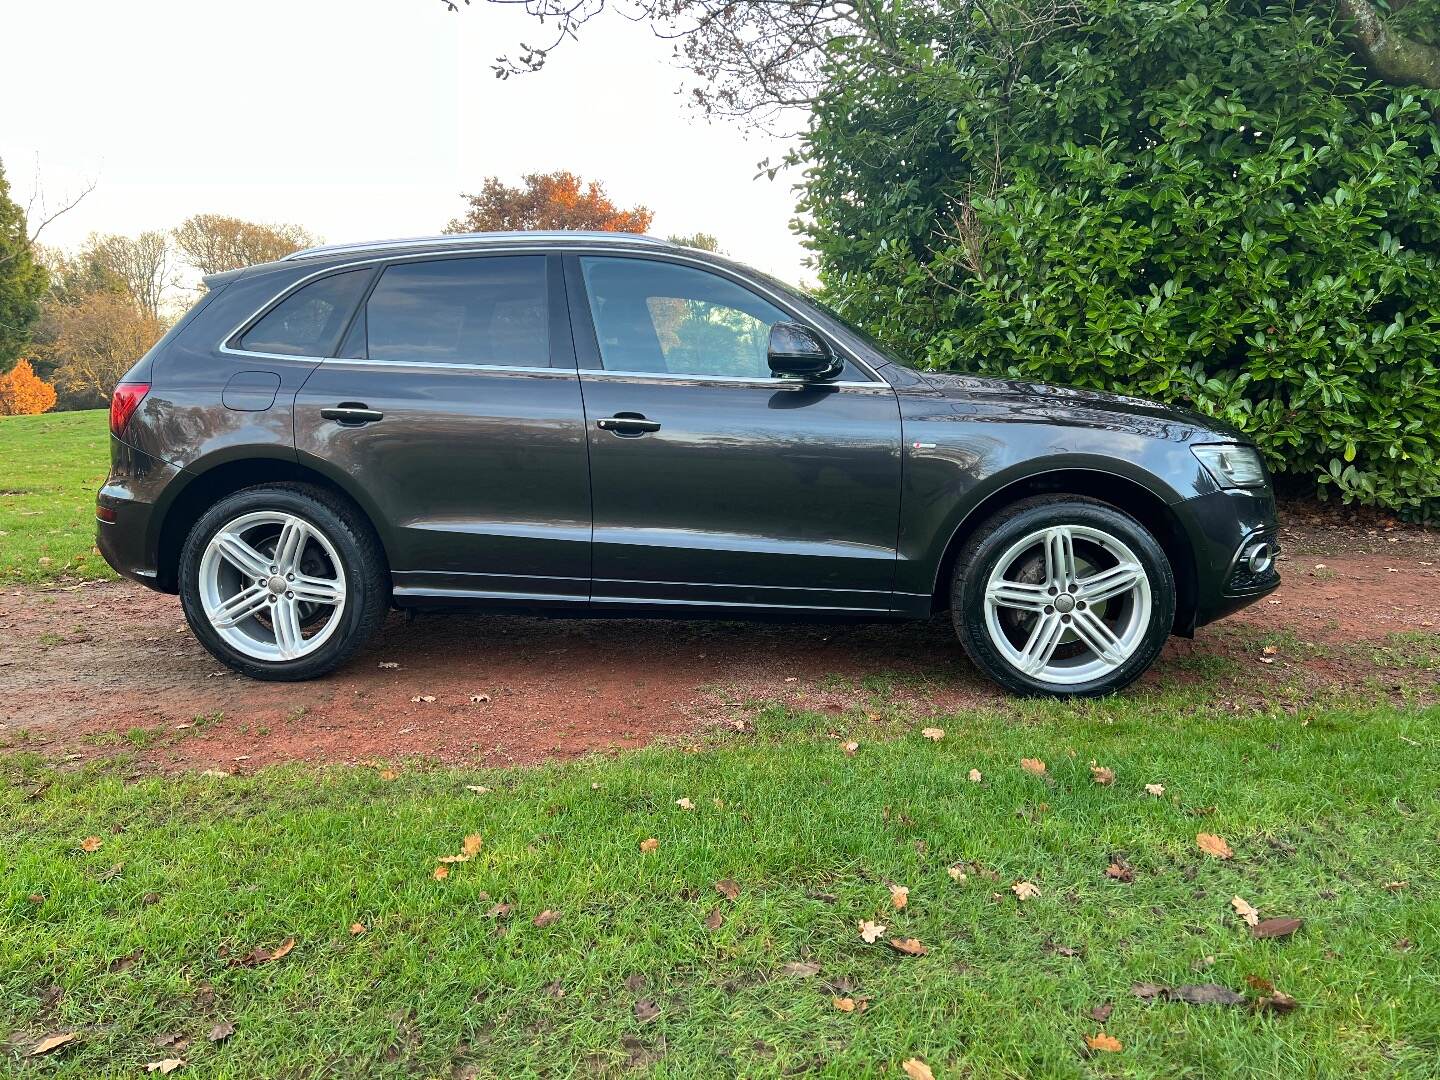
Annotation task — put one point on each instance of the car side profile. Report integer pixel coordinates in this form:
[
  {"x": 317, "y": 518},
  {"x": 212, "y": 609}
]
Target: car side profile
[{"x": 610, "y": 424}]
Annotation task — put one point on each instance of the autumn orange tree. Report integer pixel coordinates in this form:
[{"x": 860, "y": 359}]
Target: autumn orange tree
[
  {"x": 23, "y": 393},
  {"x": 556, "y": 200}
]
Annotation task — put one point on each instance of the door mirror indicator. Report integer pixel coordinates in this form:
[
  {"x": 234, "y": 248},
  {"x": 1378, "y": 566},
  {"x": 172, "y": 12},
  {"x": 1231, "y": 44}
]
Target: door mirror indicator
[{"x": 797, "y": 352}]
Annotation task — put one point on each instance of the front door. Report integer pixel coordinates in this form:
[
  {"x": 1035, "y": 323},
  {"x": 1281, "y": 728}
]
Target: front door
[
  {"x": 713, "y": 483},
  {"x": 455, "y": 407}
]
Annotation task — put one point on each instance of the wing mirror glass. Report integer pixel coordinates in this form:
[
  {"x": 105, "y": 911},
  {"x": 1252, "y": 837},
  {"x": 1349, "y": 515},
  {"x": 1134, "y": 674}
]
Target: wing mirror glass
[{"x": 796, "y": 352}]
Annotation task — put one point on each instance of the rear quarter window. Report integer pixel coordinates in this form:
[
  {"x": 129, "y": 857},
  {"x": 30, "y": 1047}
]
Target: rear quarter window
[{"x": 310, "y": 320}]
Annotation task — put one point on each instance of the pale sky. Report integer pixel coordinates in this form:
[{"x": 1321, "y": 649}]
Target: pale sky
[{"x": 359, "y": 119}]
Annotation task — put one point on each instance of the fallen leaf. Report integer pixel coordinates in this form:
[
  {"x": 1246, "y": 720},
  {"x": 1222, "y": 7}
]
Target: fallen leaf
[
  {"x": 471, "y": 845},
  {"x": 1269, "y": 650},
  {"x": 1275, "y": 928},
  {"x": 1205, "y": 994},
  {"x": 727, "y": 888},
  {"x": 871, "y": 932},
  {"x": 477, "y": 789},
  {"x": 1244, "y": 910},
  {"x": 1102, "y": 775},
  {"x": 356, "y": 929},
  {"x": 685, "y": 804},
  {"x": 1279, "y": 1002},
  {"x": 426, "y": 698},
  {"x": 1120, "y": 871},
  {"x": 844, "y": 1004},
  {"x": 801, "y": 969},
  {"x": 283, "y": 949},
  {"x": 555, "y": 990},
  {"x": 715, "y": 919},
  {"x": 934, "y": 734},
  {"x": 899, "y": 896},
  {"x": 1213, "y": 845},
  {"x": 974, "y": 776},
  {"x": 165, "y": 1066},
  {"x": 1025, "y": 890},
  {"x": 850, "y": 748},
  {"x": 51, "y": 1042},
  {"x": 956, "y": 872},
  {"x": 221, "y": 1032},
  {"x": 441, "y": 872},
  {"x": 499, "y": 911},
  {"x": 649, "y": 844},
  {"x": 215, "y": 774},
  {"x": 646, "y": 1010},
  {"x": 1396, "y": 886},
  {"x": 1147, "y": 991},
  {"x": 479, "y": 699},
  {"x": 1033, "y": 765},
  {"x": 388, "y": 774},
  {"x": 1105, "y": 1043},
  {"x": 909, "y": 946},
  {"x": 1101, "y": 1013},
  {"x": 916, "y": 1069},
  {"x": 1155, "y": 789},
  {"x": 545, "y": 918},
  {"x": 91, "y": 843}
]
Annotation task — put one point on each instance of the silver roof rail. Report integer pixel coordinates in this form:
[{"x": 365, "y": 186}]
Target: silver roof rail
[{"x": 476, "y": 240}]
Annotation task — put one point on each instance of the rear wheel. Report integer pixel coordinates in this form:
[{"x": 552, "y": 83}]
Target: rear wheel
[
  {"x": 1063, "y": 596},
  {"x": 282, "y": 582}
]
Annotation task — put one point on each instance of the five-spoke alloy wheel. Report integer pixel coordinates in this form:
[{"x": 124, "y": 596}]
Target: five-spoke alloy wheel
[
  {"x": 1065, "y": 597},
  {"x": 282, "y": 581}
]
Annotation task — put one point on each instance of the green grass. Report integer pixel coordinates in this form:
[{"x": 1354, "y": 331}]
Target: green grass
[
  {"x": 1323, "y": 808},
  {"x": 51, "y": 466}
]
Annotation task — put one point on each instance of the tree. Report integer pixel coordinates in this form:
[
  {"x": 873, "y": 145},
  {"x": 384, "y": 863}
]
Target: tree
[
  {"x": 141, "y": 262},
  {"x": 214, "y": 243},
  {"x": 22, "y": 279},
  {"x": 557, "y": 200},
  {"x": 91, "y": 342},
  {"x": 701, "y": 240},
  {"x": 22, "y": 393},
  {"x": 1155, "y": 197}
]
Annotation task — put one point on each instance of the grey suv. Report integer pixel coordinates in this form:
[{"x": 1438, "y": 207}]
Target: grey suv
[{"x": 609, "y": 424}]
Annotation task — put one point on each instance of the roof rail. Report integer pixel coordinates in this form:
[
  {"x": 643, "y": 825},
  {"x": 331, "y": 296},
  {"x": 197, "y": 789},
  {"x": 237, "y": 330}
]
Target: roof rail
[{"x": 476, "y": 239}]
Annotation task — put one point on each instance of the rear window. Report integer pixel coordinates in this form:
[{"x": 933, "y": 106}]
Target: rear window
[
  {"x": 489, "y": 312},
  {"x": 310, "y": 320}
]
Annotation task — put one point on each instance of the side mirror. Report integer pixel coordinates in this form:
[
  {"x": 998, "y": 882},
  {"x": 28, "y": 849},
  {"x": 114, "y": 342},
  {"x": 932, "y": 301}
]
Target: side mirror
[{"x": 797, "y": 353}]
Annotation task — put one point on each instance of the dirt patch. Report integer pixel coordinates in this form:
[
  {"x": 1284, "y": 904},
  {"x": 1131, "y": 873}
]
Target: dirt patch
[{"x": 97, "y": 669}]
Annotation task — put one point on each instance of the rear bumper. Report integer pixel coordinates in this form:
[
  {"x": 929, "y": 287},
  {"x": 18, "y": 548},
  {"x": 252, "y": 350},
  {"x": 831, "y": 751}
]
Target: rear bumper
[
  {"x": 1221, "y": 527},
  {"x": 130, "y": 542}
]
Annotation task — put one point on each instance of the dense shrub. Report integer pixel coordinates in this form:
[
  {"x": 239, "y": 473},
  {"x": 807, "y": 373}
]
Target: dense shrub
[
  {"x": 23, "y": 393},
  {"x": 1207, "y": 204}
]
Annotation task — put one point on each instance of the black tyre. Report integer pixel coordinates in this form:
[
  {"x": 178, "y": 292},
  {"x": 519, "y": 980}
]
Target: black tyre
[
  {"x": 1063, "y": 596},
  {"x": 283, "y": 582}
]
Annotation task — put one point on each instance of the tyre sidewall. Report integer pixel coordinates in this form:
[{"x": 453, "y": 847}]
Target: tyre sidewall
[
  {"x": 350, "y": 632},
  {"x": 985, "y": 551}
]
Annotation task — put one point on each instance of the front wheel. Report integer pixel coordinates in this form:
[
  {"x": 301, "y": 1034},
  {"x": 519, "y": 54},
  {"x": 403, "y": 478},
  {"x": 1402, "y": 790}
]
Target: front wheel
[
  {"x": 282, "y": 582},
  {"x": 1063, "y": 597}
]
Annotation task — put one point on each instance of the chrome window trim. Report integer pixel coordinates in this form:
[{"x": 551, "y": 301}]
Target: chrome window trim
[
  {"x": 443, "y": 365},
  {"x": 751, "y": 380},
  {"x": 500, "y": 251}
]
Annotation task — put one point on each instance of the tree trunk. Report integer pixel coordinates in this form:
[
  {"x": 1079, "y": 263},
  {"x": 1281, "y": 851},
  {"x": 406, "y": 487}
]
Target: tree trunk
[{"x": 1390, "y": 57}]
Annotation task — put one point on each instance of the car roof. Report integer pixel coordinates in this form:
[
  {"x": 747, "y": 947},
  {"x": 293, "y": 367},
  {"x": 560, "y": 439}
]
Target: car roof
[{"x": 482, "y": 240}]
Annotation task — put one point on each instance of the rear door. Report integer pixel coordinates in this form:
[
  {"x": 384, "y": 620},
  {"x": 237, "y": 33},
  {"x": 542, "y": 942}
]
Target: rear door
[
  {"x": 454, "y": 406},
  {"x": 714, "y": 483}
]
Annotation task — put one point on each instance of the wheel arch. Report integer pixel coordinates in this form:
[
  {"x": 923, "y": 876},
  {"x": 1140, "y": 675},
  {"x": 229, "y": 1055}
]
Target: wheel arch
[
  {"x": 227, "y": 475},
  {"x": 1117, "y": 490}
]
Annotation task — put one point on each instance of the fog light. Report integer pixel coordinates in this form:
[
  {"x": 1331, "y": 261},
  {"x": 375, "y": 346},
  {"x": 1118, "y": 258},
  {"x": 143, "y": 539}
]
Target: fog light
[{"x": 1259, "y": 558}]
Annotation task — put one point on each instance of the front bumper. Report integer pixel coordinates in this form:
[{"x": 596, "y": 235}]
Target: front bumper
[
  {"x": 1222, "y": 526},
  {"x": 130, "y": 542}
]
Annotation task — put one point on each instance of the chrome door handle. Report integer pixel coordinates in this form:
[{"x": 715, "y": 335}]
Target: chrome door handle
[
  {"x": 352, "y": 413},
  {"x": 627, "y": 425}
]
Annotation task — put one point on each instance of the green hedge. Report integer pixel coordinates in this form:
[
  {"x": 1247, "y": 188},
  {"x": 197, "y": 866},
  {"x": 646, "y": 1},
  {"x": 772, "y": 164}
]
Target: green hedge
[{"x": 1204, "y": 203}]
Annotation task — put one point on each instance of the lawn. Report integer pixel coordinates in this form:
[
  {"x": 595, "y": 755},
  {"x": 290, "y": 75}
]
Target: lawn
[
  {"x": 142, "y": 947},
  {"x": 50, "y": 468}
]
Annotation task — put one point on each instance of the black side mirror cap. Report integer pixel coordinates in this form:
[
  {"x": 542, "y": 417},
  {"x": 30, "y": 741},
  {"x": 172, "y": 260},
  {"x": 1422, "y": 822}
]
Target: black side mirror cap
[{"x": 796, "y": 352}]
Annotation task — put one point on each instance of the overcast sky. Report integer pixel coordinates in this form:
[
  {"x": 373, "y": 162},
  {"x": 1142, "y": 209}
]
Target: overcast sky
[{"x": 358, "y": 119}]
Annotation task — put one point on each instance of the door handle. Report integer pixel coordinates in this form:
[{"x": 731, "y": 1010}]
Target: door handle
[
  {"x": 627, "y": 425},
  {"x": 352, "y": 413}
]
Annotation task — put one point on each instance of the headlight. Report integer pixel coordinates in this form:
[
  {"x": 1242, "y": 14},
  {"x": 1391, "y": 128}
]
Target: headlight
[{"x": 1232, "y": 466}]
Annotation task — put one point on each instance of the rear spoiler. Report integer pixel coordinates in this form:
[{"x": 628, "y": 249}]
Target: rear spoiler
[{"x": 215, "y": 281}]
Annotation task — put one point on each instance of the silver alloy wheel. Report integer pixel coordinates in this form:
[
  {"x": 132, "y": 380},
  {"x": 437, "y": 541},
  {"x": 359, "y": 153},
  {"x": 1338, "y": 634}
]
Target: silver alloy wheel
[
  {"x": 272, "y": 585},
  {"x": 1067, "y": 604}
]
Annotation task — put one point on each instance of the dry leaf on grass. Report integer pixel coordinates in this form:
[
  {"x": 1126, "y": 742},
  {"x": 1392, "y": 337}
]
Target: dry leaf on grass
[
  {"x": 1102, "y": 775},
  {"x": 1244, "y": 910},
  {"x": 1033, "y": 766},
  {"x": 388, "y": 774},
  {"x": 847, "y": 1004},
  {"x": 1105, "y": 1043},
  {"x": 956, "y": 872},
  {"x": 1101, "y": 1013},
  {"x": 916, "y": 1069},
  {"x": 469, "y": 848},
  {"x": 649, "y": 844},
  {"x": 222, "y": 1031},
  {"x": 1212, "y": 845},
  {"x": 1395, "y": 886},
  {"x": 715, "y": 919},
  {"x": 850, "y": 748},
  {"x": 1155, "y": 789},
  {"x": 899, "y": 896},
  {"x": 728, "y": 888},
  {"x": 1025, "y": 890},
  {"x": 1275, "y": 928},
  {"x": 545, "y": 918},
  {"x": 646, "y": 1010},
  {"x": 1279, "y": 1002},
  {"x": 441, "y": 872},
  {"x": 934, "y": 734},
  {"x": 51, "y": 1042},
  {"x": 91, "y": 843},
  {"x": 356, "y": 929},
  {"x": 871, "y": 932},
  {"x": 165, "y": 1066},
  {"x": 909, "y": 946},
  {"x": 974, "y": 776},
  {"x": 1119, "y": 870},
  {"x": 425, "y": 698},
  {"x": 801, "y": 969},
  {"x": 685, "y": 804},
  {"x": 477, "y": 789}
]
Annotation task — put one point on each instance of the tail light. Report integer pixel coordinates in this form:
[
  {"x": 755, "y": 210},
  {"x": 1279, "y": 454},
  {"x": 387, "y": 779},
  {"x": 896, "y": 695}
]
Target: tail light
[{"x": 123, "y": 403}]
